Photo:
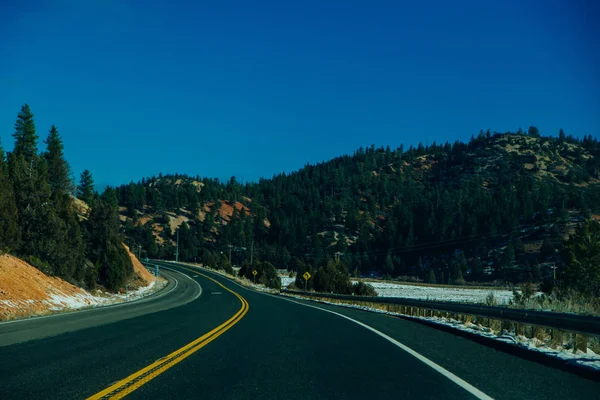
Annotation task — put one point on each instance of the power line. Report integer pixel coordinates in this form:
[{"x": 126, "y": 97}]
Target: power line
[{"x": 441, "y": 243}]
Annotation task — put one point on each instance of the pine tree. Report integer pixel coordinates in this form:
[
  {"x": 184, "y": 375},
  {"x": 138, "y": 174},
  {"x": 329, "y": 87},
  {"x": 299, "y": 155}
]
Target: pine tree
[
  {"x": 547, "y": 249},
  {"x": 459, "y": 278},
  {"x": 431, "y": 277},
  {"x": 583, "y": 259},
  {"x": 9, "y": 226},
  {"x": 508, "y": 257},
  {"x": 3, "y": 165},
  {"x": 59, "y": 170},
  {"x": 85, "y": 190},
  {"x": 420, "y": 268},
  {"x": 105, "y": 248},
  {"x": 25, "y": 136},
  {"x": 389, "y": 264}
]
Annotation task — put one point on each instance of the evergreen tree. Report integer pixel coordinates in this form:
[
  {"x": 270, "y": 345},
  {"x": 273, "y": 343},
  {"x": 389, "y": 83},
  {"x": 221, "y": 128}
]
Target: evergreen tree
[
  {"x": 59, "y": 171},
  {"x": 105, "y": 246},
  {"x": 420, "y": 267},
  {"x": 25, "y": 135},
  {"x": 3, "y": 165},
  {"x": 431, "y": 277},
  {"x": 547, "y": 249},
  {"x": 508, "y": 257},
  {"x": 85, "y": 190},
  {"x": 582, "y": 256},
  {"x": 389, "y": 264},
  {"x": 459, "y": 278},
  {"x": 9, "y": 226}
]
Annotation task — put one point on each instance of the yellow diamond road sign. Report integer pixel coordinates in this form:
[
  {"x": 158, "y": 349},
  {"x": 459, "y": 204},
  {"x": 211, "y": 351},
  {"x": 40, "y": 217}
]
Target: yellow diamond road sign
[
  {"x": 254, "y": 272},
  {"x": 306, "y": 276}
]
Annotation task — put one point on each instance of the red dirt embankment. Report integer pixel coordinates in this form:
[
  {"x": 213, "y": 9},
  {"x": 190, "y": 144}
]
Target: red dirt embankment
[
  {"x": 142, "y": 276},
  {"x": 26, "y": 291}
]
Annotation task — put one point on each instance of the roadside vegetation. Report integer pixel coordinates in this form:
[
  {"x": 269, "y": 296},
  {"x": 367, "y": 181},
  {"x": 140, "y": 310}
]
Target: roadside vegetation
[
  {"x": 578, "y": 287},
  {"x": 39, "y": 220}
]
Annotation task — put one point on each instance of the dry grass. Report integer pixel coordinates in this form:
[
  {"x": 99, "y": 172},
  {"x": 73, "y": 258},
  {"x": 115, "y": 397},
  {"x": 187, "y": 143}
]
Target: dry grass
[{"x": 570, "y": 303}]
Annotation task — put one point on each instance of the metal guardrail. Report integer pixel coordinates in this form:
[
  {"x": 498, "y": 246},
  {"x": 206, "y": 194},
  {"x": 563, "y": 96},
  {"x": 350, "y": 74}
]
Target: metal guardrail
[{"x": 585, "y": 325}]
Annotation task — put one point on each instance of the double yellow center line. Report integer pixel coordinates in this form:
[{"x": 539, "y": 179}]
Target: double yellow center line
[{"x": 125, "y": 386}]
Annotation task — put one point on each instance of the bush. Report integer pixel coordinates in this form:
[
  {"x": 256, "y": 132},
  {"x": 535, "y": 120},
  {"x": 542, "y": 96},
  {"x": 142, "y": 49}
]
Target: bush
[
  {"x": 266, "y": 274},
  {"x": 228, "y": 269},
  {"x": 523, "y": 297},
  {"x": 490, "y": 299},
  {"x": 364, "y": 289},
  {"x": 333, "y": 278}
]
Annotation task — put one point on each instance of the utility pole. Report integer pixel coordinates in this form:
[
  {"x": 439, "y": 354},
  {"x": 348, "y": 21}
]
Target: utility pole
[
  {"x": 230, "y": 247},
  {"x": 177, "y": 250},
  {"x": 252, "y": 253},
  {"x": 337, "y": 256},
  {"x": 554, "y": 273}
]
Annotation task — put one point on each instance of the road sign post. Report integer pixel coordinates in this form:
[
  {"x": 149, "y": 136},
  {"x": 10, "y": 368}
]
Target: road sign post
[
  {"x": 306, "y": 277},
  {"x": 255, "y": 272}
]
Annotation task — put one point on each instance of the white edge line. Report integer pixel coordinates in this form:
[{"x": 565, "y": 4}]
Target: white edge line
[
  {"x": 459, "y": 381},
  {"x": 104, "y": 307}
]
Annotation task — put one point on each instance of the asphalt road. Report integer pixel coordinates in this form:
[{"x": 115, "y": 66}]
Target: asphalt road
[
  {"x": 251, "y": 345},
  {"x": 180, "y": 289}
]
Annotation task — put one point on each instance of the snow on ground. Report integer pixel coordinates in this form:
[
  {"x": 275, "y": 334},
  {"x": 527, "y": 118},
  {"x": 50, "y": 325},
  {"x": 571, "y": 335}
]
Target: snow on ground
[
  {"x": 287, "y": 281},
  {"x": 418, "y": 292},
  {"x": 60, "y": 301},
  {"x": 587, "y": 360},
  {"x": 25, "y": 291},
  {"x": 459, "y": 295}
]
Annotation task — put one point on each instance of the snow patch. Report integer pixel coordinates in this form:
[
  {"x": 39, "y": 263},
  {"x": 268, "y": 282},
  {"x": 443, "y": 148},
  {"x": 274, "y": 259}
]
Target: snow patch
[
  {"x": 459, "y": 295},
  {"x": 287, "y": 281}
]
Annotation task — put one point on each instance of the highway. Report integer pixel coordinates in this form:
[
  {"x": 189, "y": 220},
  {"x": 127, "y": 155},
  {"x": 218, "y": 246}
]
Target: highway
[{"x": 232, "y": 342}]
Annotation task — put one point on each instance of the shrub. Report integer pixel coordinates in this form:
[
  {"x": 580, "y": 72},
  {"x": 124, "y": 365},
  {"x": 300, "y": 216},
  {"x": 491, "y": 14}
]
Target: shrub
[
  {"x": 228, "y": 269},
  {"x": 490, "y": 299},
  {"x": 364, "y": 289},
  {"x": 333, "y": 278},
  {"x": 522, "y": 298}
]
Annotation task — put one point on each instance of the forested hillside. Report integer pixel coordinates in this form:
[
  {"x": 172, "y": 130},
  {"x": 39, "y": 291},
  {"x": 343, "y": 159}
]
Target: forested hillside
[
  {"x": 511, "y": 207},
  {"x": 43, "y": 223},
  {"x": 496, "y": 208}
]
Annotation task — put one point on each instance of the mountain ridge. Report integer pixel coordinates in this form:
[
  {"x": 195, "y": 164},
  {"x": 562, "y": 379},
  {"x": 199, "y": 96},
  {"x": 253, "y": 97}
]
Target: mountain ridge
[{"x": 386, "y": 211}]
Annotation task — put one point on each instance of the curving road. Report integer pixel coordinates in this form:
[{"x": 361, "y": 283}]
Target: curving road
[
  {"x": 231, "y": 342},
  {"x": 180, "y": 289}
]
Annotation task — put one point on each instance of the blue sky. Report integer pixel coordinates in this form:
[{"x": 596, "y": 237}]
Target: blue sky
[{"x": 255, "y": 88}]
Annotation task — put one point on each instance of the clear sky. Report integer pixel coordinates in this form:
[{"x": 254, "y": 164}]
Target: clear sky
[{"x": 253, "y": 88}]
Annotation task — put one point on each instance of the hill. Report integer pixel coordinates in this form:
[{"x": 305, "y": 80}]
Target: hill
[{"x": 496, "y": 208}]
